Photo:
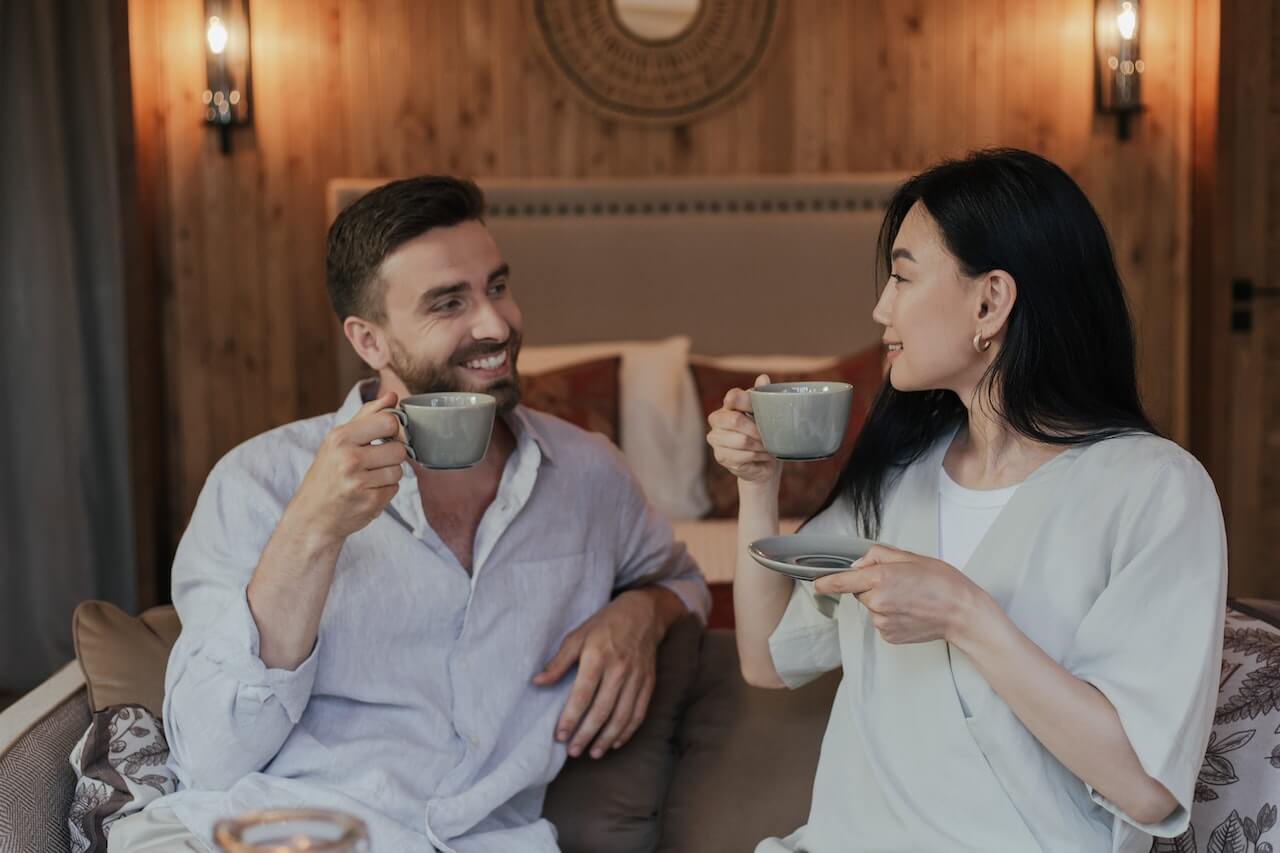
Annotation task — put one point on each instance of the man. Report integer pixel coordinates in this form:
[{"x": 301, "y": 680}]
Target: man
[{"x": 363, "y": 634}]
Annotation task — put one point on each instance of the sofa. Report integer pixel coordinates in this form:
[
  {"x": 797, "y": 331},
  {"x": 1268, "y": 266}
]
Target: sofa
[{"x": 716, "y": 766}]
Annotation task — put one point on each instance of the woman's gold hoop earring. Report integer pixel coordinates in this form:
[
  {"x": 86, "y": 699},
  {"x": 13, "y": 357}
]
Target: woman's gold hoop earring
[{"x": 979, "y": 344}]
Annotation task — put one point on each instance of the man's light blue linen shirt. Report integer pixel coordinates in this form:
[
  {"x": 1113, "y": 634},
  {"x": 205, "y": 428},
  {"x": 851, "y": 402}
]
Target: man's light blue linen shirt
[{"x": 415, "y": 711}]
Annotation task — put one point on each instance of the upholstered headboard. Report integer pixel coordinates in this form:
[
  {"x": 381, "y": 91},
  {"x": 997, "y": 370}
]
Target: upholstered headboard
[{"x": 780, "y": 264}]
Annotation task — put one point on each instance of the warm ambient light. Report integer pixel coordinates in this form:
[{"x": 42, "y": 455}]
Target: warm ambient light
[
  {"x": 1119, "y": 66},
  {"x": 1127, "y": 21},
  {"x": 216, "y": 35},
  {"x": 228, "y": 97}
]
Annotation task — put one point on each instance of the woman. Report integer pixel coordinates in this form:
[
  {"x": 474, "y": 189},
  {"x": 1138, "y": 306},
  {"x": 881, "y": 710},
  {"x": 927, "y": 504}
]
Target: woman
[{"x": 1031, "y": 654}]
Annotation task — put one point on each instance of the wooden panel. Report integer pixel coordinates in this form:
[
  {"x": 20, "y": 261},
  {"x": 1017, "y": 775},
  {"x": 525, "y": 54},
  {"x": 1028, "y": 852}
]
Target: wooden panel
[
  {"x": 1210, "y": 369},
  {"x": 390, "y": 87},
  {"x": 148, "y": 431}
]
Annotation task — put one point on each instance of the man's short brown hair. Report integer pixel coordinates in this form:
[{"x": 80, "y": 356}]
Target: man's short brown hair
[{"x": 377, "y": 224}]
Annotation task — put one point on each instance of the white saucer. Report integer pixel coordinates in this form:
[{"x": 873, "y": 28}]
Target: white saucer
[{"x": 808, "y": 556}]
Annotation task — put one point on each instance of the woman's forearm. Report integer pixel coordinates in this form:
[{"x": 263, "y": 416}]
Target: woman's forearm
[
  {"x": 1070, "y": 717},
  {"x": 759, "y": 596}
]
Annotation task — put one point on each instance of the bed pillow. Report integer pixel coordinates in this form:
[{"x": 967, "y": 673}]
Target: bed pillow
[
  {"x": 804, "y": 484},
  {"x": 659, "y": 415},
  {"x": 584, "y": 394}
]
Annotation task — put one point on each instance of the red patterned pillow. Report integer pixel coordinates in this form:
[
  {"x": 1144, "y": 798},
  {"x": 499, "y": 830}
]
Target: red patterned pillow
[
  {"x": 584, "y": 394},
  {"x": 804, "y": 484}
]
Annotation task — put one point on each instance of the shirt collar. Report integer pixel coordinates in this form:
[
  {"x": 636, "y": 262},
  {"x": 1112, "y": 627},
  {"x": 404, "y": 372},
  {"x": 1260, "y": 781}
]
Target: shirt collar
[
  {"x": 360, "y": 393},
  {"x": 517, "y": 419},
  {"x": 523, "y": 425}
]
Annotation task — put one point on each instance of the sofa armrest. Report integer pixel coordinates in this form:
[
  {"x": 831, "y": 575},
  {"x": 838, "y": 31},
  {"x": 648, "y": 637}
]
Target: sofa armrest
[
  {"x": 37, "y": 734},
  {"x": 748, "y": 756},
  {"x": 1266, "y": 609}
]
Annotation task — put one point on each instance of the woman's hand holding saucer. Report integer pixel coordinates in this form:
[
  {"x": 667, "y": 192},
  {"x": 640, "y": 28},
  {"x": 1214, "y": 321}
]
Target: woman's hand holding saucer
[{"x": 911, "y": 598}]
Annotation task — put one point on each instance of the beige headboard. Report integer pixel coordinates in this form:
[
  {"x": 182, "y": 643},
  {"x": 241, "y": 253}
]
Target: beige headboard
[{"x": 742, "y": 265}]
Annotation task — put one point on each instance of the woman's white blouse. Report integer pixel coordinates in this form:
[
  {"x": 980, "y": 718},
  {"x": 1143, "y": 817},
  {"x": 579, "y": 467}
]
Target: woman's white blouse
[{"x": 1110, "y": 557}]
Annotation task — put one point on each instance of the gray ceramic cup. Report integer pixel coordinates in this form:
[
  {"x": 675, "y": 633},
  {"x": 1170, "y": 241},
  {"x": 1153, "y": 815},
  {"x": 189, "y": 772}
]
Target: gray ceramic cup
[
  {"x": 447, "y": 429},
  {"x": 802, "y": 421}
]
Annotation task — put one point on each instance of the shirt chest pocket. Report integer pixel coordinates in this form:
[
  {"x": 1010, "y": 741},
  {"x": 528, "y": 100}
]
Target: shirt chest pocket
[{"x": 531, "y": 605}]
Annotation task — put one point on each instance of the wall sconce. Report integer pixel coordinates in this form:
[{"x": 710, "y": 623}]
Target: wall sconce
[
  {"x": 228, "y": 99},
  {"x": 1119, "y": 63}
]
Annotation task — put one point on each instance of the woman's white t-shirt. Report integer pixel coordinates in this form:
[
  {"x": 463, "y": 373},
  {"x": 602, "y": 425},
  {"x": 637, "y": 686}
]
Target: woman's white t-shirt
[{"x": 965, "y": 516}]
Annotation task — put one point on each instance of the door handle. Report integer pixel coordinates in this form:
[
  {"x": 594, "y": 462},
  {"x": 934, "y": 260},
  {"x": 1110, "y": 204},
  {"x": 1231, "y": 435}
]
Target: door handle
[
  {"x": 1243, "y": 294},
  {"x": 1244, "y": 290}
]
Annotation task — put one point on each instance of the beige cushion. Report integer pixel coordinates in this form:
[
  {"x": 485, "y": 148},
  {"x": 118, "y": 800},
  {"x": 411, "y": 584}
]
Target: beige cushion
[
  {"x": 662, "y": 425},
  {"x": 124, "y": 657}
]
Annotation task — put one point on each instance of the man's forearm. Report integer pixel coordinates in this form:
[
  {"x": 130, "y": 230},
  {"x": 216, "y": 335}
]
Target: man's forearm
[
  {"x": 668, "y": 608},
  {"x": 289, "y": 589}
]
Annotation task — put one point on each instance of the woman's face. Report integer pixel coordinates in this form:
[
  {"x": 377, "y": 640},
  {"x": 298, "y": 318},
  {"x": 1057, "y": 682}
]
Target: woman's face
[{"x": 930, "y": 312}]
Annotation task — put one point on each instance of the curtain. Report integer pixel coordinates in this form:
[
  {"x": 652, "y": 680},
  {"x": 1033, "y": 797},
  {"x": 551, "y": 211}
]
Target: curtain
[{"x": 66, "y": 531}]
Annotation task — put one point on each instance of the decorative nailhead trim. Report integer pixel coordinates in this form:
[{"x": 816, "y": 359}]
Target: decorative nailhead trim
[{"x": 700, "y": 206}]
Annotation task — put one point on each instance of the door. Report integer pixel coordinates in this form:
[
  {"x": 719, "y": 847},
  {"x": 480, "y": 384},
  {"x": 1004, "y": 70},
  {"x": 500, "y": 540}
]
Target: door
[{"x": 1236, "y": 263}]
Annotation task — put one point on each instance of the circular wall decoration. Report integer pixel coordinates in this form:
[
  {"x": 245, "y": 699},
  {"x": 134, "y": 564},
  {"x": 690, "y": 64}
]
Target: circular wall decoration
[{"x": 655, "y": 60}]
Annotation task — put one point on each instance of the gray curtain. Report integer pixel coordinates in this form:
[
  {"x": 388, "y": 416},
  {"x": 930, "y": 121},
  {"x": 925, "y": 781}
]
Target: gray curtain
[{"x": 66, "y": 530}]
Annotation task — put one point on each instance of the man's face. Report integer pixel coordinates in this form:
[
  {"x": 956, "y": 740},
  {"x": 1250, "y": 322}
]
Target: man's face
[{"x": 451, "y": 321}]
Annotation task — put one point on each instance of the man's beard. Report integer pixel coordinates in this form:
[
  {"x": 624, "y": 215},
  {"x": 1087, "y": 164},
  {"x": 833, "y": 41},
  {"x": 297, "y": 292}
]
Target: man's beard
[{"x": 430, "y": 378}]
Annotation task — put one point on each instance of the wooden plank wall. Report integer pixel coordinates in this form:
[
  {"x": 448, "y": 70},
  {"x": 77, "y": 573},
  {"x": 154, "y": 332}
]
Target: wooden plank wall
[{"x": 395, "y": 87}]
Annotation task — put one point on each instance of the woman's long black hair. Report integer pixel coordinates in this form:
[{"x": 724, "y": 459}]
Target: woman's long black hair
[{"x": 1066, "y": 372}]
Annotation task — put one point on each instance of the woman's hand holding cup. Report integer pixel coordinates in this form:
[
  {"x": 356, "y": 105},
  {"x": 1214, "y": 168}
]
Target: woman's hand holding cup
[{"x": 736, "y": 440}]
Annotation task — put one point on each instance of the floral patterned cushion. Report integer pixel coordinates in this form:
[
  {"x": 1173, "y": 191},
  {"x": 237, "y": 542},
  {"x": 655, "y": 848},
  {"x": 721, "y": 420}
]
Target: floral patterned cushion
[
  {"x": 120, "y": 765},
  {"x": 804, "y": 484},
  {"x": 585, "y": 395},
  {"x": 1239, "y": 785}
]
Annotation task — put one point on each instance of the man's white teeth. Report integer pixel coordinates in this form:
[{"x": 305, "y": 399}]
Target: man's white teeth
[
  {"x": 894, "y": 347},
  {"x": 490, "y": 363}
]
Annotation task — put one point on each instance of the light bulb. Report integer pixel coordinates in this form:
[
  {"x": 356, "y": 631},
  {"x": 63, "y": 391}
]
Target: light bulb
[
  {"x": 1127, "y": 21},
  {"x": 216, "y": 35}
]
